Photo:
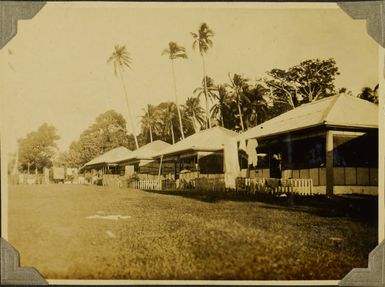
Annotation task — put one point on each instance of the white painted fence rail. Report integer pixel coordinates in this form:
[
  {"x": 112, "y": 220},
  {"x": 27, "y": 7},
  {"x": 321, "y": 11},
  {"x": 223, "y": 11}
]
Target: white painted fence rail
[
  {"x": 302, "y": 186},
  {"x": 147, "y": 184},
  {"x": 295, "y": 186}
]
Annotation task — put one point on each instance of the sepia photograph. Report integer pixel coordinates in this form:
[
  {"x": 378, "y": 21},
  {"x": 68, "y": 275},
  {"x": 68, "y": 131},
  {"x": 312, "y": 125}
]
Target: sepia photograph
[{"x": 190, "y": 141}]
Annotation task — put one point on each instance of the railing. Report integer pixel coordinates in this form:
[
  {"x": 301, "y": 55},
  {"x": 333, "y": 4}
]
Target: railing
[
  {"x": 146, "y": 184},
  {"x": 249, "y": 185},
  {"x": 288, "y": 186},
  {"x": 208, "y": 182}
]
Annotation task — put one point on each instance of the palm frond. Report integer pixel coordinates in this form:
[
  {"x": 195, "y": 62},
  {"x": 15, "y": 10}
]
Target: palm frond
[
  {"x": 196, "y": 90},
  {"x": 202, "y": 38},
  {"x": 165, "y": 52},
  {"x": 175, "y": 51},
  {"x": 195, "y": 43},
  {"x": 120, "y": 58},
  {"x": 111, "y": 58}
]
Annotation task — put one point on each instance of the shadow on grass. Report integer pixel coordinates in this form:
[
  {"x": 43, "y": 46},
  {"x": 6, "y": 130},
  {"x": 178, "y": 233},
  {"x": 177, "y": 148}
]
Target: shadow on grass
[{"x": 359, "y": 207}]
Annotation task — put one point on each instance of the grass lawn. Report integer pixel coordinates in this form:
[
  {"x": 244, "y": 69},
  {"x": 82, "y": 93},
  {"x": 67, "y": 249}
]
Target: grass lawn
[{"x": 179, "y": 237}]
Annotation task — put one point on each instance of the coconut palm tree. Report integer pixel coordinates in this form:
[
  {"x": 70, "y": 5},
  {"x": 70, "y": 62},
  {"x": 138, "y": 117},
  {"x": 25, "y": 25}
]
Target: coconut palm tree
[
  {"x": 237, "y": 87},
  {"x": 121, "y": 59},
  {"x": 194, "y": 111},
  {"x": 168, "y": 116},
  {"x": 256, "y": 110},
  {"x": 211, "y": 88},
  {"x": 151, "y": 121},
  {"x": 221, "y": 104},
  {"x": 202, "y": 39},
  {"x": 174, "y": 51}
]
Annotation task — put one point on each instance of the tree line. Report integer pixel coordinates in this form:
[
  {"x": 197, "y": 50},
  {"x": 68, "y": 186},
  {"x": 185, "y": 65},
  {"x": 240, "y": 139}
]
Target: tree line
[{"x": 237, "y": 104}]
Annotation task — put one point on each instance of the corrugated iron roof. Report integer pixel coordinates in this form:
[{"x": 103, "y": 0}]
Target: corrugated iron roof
[
  {"x": 147, "y": 151},
  {"x": 340, "y": 110},
  {"x": 111, "y": 156},
  {"x": 205, "y": 140}
]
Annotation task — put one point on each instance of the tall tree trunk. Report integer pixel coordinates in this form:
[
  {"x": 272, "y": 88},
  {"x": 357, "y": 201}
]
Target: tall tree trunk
[
  {"x": 129, "y": 110},
  {"x": 194, "y": 120},
  {"x": 208, "y": 120},
  {"x": 176, "y": 99},
  {"x": 194, "y": 123},
  {"x": 240, "y": 115},
  {"x": 172, "y": 134},
  {"x": 150, "y": 133},
  {"x": 223, "y": 124}
]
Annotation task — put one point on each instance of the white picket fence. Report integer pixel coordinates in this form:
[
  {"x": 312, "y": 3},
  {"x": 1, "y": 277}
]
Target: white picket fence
[
  {"x": 301, "y": 186},
  {"x": 146, "y": 184},
  {"x": 253, "y": 185}
]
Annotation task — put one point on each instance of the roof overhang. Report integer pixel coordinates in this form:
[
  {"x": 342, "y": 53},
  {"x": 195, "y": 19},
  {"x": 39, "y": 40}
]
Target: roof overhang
[
  {"x": 186, "y": 151},
  {"x": 327, "y": 125}
]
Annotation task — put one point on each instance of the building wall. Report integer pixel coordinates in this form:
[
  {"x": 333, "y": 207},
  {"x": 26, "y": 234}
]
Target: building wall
[
  {"x": 366, "y": 190},
  {"x": 343, "y": 176},
  {"x": 347, "y": 189},
  {"x": 318, "y": 175},
  {"x": 360, "y": 176},
  {"x": 260, "y": 173}
]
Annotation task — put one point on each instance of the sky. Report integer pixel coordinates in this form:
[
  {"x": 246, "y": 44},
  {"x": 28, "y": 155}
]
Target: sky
[{"x": 54, "y": 70}]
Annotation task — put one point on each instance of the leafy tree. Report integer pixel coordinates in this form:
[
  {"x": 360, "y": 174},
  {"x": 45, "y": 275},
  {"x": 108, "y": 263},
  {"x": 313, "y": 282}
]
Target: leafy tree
[
  {"x": 121, "y": 59},
  {"x": 369, "y": 94},
  {"x": 142, "y": 140},
  {"x": 281, "y": 89},
  {"x": 306, "y": 82},
  {"x": 63, "y": 160},
  {"x": 345, "y": 91},
  {"x": 194, "y": 112},
  {"x": 106, "y": 133},
  {"x": 12, "y": 163},
  {"x": 38, "y": 148},
  {"x": 174, "y": 51},
  {"x": 202, "y": 39}
]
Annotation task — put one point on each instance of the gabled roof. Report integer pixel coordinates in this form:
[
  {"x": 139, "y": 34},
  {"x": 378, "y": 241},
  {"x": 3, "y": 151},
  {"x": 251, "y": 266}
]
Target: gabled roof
[
  {"x": 205, "y": 140},
  {"x": 110, "y": 157},
  {"x": 147, "y": 151},
  {"x": 340, "y": 111}
]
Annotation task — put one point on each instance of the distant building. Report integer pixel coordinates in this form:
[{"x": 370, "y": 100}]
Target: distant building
[
  {"x": 200, "y": 153},
  {"x": 106, "y": 163},
  {"x": 142, "y": 159}
]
